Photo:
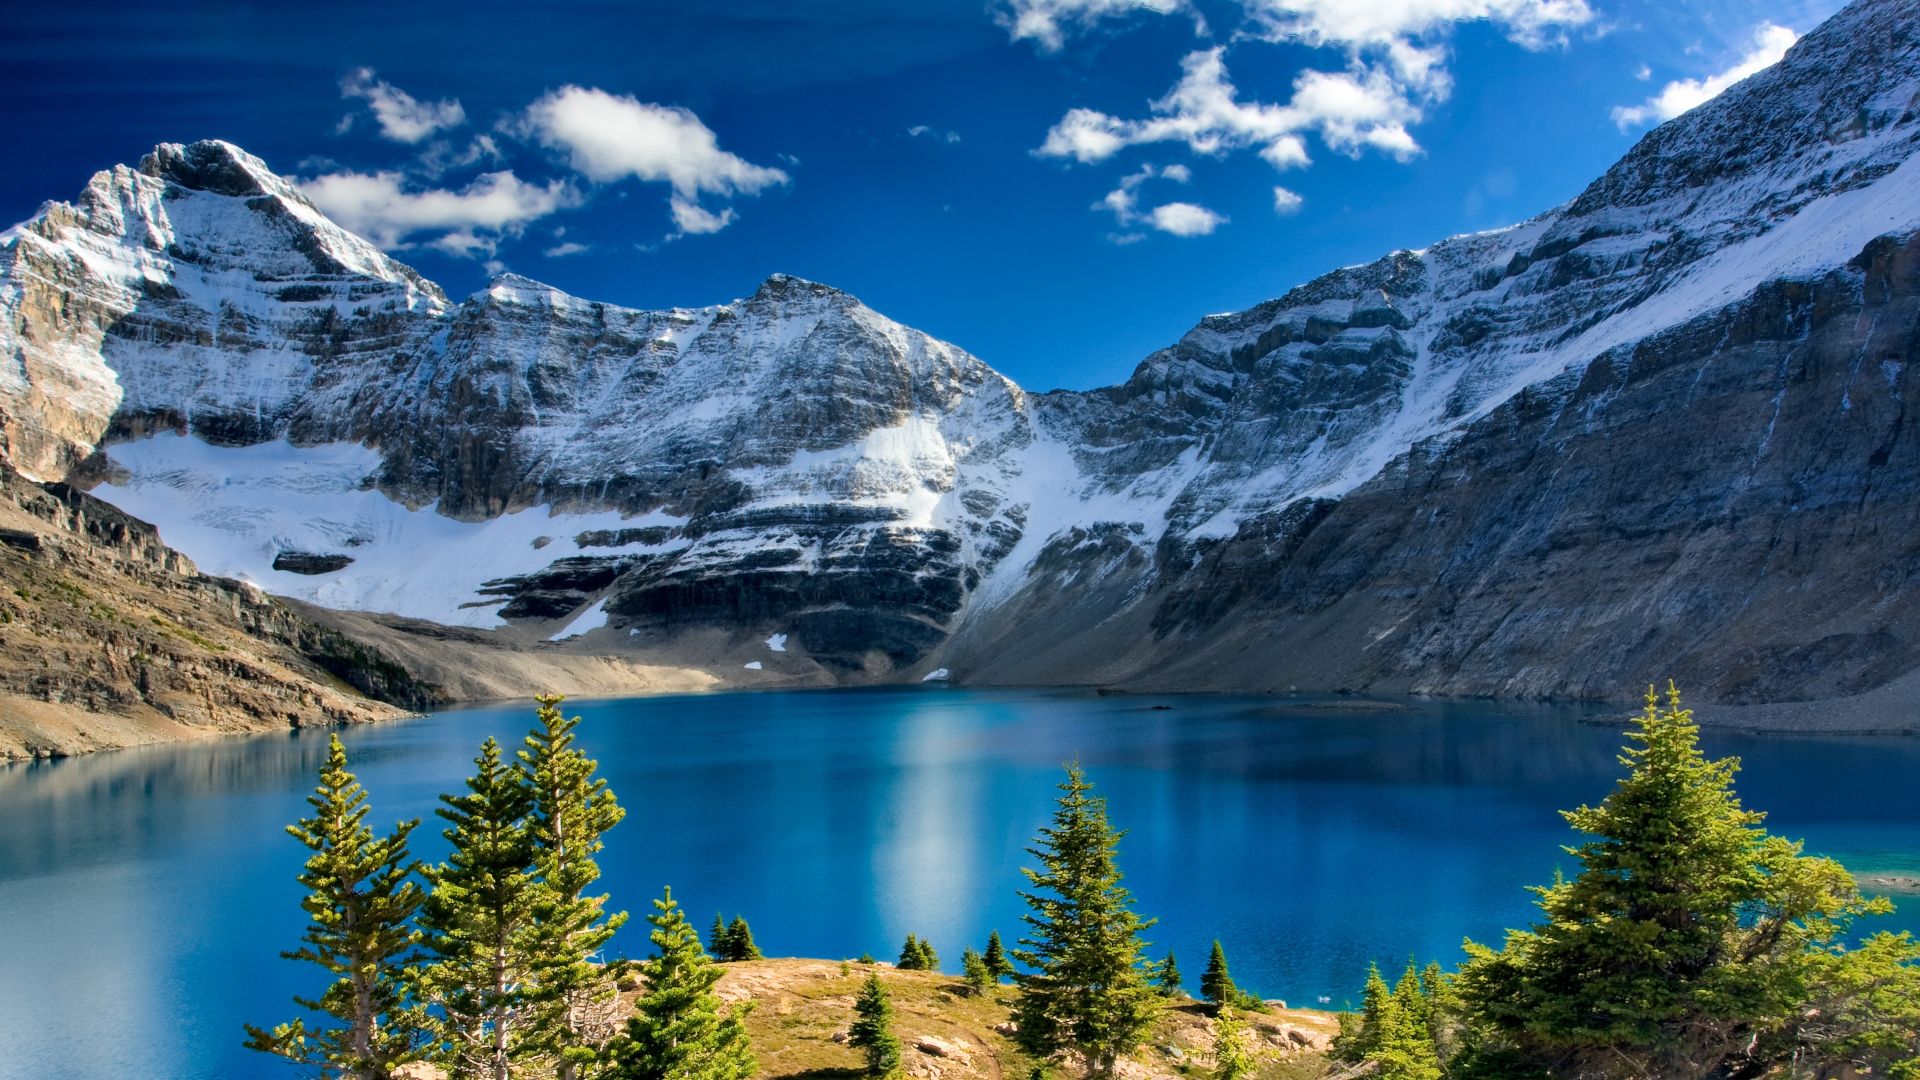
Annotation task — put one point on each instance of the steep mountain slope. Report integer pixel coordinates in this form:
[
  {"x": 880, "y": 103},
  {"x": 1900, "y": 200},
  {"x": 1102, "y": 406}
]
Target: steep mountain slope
[
  {"x": 1658, "y": 430},
  {"x": 1627, "y": 438},
  {"x": 108, "y": 638}
]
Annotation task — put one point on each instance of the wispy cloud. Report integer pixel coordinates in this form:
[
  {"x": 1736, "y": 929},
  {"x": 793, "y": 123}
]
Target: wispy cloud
[
  {"x": 1351, "y": 111},
  {"x": 1047, "y": 23},
  {"x": 1396, "y": 67},
  {"x": 401, "y": 116},
  {"x": 388, "y": 210},
  {"x": 1770, "y": 43},
  {"x": 927, "y": 131},
  {"x": 1177, "y": 218},
  {"x": 1286, "y": 202},
  {"x": 609, "y": 137}
]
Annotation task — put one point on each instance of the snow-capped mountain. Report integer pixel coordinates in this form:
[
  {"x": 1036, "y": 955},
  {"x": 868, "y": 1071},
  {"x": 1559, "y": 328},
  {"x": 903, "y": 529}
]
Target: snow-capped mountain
[{"x": 1658, "y": 430}]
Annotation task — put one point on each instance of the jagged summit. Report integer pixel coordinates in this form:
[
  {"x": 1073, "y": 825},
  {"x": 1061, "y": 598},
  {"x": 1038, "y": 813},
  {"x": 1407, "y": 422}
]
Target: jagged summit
[
  {"x": 213, "y": 165},
  {"x": 1640, "y": 429}
]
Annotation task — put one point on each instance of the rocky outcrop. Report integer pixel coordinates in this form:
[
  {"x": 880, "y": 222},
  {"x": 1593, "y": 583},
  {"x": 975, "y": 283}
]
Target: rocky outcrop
[
  {"x": 1657, "y": 431},
  {"x": 110, "y": 638}
]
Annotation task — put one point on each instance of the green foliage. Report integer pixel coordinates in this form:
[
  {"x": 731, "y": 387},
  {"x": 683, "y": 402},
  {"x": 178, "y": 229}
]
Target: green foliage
[
  {"x": 732, "y": 942},
  {"x": 973, "y": 968},
  {"x": 917, "y": 955},
  {"x": 872, "y": 1029},
  {"x": 478, "y": 923},
  {"x": 360, "y": 899},
  {"x": 740, "y": 944},
  {"x": 1360, "y": 1032},
  {"x": 678, "y": 1031},
  {"x": 996, "y": 957},
  {"x": 1167, "y": 975},
  {"x": 1086, "y": 987},
  {"x": 1216, "y": 984},
  {"x": 1231, "y": 1058},
  {"x": 570, "y": 810},
  {"x": 1690, "y": 943}
]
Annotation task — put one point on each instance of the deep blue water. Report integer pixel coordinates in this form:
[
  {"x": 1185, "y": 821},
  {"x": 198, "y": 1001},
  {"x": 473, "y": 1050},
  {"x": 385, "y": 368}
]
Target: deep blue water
[{"x": 144, "y": 894}]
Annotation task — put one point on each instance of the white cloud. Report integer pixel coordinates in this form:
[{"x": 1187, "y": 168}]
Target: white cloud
[
  {"x": 402, "y": 117},
  {"x": 1770, "y": 43},
  {"x": 928, "y": 131},
  {"x": 1387, "y": 23},
  {"x": 693, "y": 219},
  {"x": 1123, "y": 201},
  {"x": 1643, "y": 73},
  {"x": 1286, "y": 202},
  {"x": 1185, "y": 219},
  {"x": 610, "y": 137},
  {"x": 1351, "y": 110},
  {"x": 1046, "y": 23},
  {"x": 562, "y": 250},
  {"x": 379, "y": 207}
]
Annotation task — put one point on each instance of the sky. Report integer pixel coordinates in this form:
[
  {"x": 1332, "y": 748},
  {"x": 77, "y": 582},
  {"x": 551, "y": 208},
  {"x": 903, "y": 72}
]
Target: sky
[{"x": 1058, "y": 186}]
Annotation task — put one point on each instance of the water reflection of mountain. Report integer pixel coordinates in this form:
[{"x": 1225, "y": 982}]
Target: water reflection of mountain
[{"x": 64, "y": 813}]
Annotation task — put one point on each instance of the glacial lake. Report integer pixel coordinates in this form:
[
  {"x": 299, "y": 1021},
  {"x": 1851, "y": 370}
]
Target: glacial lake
[{"x": 145, "y": 894}]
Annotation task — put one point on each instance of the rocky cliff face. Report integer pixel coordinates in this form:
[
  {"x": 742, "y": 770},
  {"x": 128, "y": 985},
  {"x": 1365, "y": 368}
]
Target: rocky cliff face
[
  {"x": 110, "y": 638},
  {"x": 1658, "y": 430}
]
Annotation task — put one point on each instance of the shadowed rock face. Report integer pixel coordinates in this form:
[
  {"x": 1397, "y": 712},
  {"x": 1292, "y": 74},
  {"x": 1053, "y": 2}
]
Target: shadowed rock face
[{"x": 1657, "y": 431}]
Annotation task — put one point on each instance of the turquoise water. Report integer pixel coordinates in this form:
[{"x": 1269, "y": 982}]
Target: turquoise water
[{"x": 145, "y": 894}]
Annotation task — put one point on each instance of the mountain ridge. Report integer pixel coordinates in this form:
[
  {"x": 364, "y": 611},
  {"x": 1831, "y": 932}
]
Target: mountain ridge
[{"x": 1240, "y": 513}]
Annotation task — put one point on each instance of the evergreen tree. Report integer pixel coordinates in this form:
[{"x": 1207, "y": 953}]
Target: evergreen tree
[
  {"x": 929, "y": 960},
  {"x": 1231, "y": 1058},
  {"x": 1086, "y": 987},
  {"x": 719, "y": 945},
  {"x": 740, "y": 944},
  {"x": 677, "y": 1031},
  {"x": 1403, "y": 1046},
  {"x": 996, "y": 957},
  {"x": 478, "y": 923},
  {"x": 360, "y": 899},
  {"x": 1689, "y": 944},
  {"x": 570, "y": 810},
  {"x": 973, "y": 967},
  {"x": 872, "y": 1029},
  {"x": 916, "y": 955},
  {"x": 1168, "y": 976},
  {"x": 1216, "y": 985},
  {"x": 1360, "y": 1034}
]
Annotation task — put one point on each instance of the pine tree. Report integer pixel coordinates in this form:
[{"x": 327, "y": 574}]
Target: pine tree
[
  {"x": 913, "y": 955},
  {"x": 360, "y": 898},
  {"x": 1168, "y": 976},
  {"x": 478, "y": 923},
  {"x": 1403, "y": 1047},
  {"x": 929, "y": 960},
  {"x": 1216, "y": 985},
  {"x": 996, "y": 957},
  {"x": 1360, "y": 1035},
  {"x": 571, "y": 810},
  {"x": 872, "y": 1029},
  {"x": 677, "y": 1031},
  {"x": 719, "y": 943},
  {"x": 740, "y": 944},
  {"x": 1689, "y": 943},
  {"x": 1231, "y": 1058},
  {"x": 973, "y": 967},
  {"x": 1086, "y": 988}
]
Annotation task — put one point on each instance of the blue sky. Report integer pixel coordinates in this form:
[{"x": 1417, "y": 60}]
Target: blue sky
[{"x": 1059, "y": 186}]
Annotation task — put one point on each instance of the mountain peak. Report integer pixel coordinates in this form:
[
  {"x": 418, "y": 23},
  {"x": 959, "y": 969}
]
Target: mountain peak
[
  {"x": 212, "y": 165},
  {"x": 788, "y": 287}
]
